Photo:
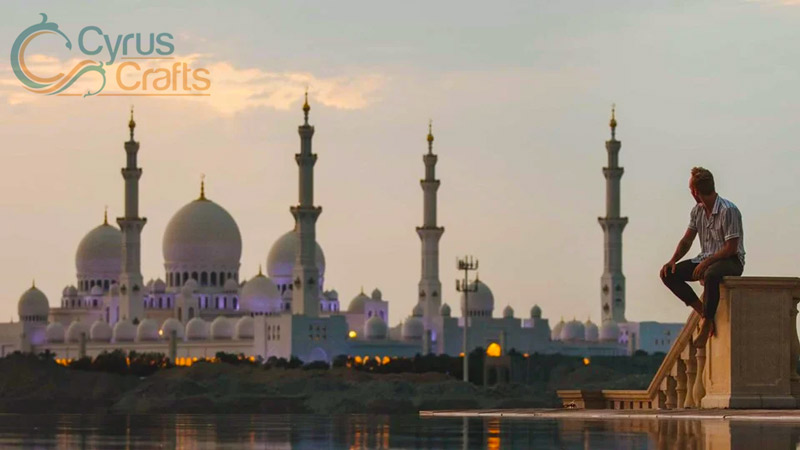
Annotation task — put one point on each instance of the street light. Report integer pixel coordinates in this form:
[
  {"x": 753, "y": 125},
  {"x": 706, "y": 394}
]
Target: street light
[{"x": 467, "y": 264}]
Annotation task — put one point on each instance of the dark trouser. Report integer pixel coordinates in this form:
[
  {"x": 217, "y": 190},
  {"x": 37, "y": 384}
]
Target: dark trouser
[{"x": 677, "y": 282}]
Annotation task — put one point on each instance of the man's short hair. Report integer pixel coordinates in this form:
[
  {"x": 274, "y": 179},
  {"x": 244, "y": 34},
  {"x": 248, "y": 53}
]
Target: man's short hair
[{"x": 703, "y": 180}]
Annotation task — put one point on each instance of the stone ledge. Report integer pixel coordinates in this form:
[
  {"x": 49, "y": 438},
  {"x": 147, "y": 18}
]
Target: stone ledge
[{"x": 754, "y": 415}]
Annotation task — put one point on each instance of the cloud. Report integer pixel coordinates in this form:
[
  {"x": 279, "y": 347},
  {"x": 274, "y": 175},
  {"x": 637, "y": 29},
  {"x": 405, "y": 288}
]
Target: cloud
[{"x": 232, "y": 89}]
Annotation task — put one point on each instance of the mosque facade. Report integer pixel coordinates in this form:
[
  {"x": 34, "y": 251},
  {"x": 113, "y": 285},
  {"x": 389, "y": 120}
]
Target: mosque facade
[{"x": 203, "y": 305}]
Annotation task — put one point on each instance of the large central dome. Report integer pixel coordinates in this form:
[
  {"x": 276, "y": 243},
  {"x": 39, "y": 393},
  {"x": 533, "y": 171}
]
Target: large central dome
[
  {"x": 202, "y": 234},
  {"x": 282, "y": 255}
]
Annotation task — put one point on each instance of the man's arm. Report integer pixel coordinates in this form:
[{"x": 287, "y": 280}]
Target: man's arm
[{"x": 684, "y": 245}]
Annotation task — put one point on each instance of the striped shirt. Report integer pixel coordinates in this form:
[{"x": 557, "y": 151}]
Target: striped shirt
[{"x": 724, "y": 223}]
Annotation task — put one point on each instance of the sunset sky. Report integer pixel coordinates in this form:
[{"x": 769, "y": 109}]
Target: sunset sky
[{"x": 520, "y": 96}]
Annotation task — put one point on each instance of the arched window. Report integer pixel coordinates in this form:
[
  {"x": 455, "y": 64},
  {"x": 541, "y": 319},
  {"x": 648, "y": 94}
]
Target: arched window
[
  {"x": 185, "y": 278},
  {"x": 160, "y": 302},
  {"x": 222, "y": 278},
  {"x": 191, "y": 313},
  {"x": 204, "y": 279},
  {"x": 105, "y": 284},
  {"x": 94, "y": 303},
  {"x": 213, "y": 278},
  {"x": 235, "y": 303},
  {"x": 194, "y": 276}
]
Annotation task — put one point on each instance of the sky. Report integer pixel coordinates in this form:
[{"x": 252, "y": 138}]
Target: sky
[{"x": 519, "y": 93}]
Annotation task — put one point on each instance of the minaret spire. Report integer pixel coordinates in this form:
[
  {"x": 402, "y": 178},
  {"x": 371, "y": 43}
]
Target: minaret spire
[
  {"x": 202, "y": 187},
  {"x": 130, "y": 280},
  {"x": 430, "y": 287},
  {"x": 307, "y": 285},
  {"x": 612, "y": 283},
  {"x": 105, "y": 216}
]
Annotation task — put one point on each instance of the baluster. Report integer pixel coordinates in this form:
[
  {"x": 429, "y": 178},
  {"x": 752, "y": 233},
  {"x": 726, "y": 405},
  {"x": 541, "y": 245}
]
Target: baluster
[
  {"x": 795, "y": 346},
  {"x": 678, "y": 373},
  {"x": 699, "y": 381},
  {"x": 688, "y": 357},
  {"x": 672, "y": 396},
  {"x": 662, "y": 399}
]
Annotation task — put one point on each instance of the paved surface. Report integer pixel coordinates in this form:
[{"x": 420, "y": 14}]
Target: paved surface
[{"x": 788, "y": 415}]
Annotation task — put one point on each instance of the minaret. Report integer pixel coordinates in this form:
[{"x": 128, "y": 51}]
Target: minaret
[
  {"x": 130, "y": 280},
  {"x": 612, "y": 284},
  {"x": 305, "y": 293},
  {"x": 430, "y": 288}
]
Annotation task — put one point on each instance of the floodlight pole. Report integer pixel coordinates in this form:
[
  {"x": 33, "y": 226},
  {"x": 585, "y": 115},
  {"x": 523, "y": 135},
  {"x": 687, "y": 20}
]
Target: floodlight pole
[{"x": 467, "y": 264}]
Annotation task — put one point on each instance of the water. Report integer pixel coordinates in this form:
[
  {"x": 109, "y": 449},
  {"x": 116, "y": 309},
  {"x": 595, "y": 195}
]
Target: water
[{"x": 382, "y": 432}]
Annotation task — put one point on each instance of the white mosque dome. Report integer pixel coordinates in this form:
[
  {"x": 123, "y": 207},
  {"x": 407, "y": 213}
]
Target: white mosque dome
[
  {"x": 418, "y": 310},
  {"x": 609, "y": 331},
  {"x": 445, "y": 310},
  {"x": 480, "y": 301},
  {"x": 244, "y": 328},
  {"x": 555, "y": 334},
  {"x": 190, "y": 287},
  {"x": 259, "y": 295},
  {"x": 33, "y": 305},
  {"x": 75, "y": 330},
  {"x": 54, "y": 332},
  {"x": 101, "y": 331},
  {"x": 147, "y": 330},
  {"x": 96, "y": 290},
  {"x": 375, "y": 328},
  {"x": 124, "y": 331},
  {"x": 377, "y": 294},
  {"x": 69, "y": 291},
  {"x": 202, "y": 233},
  {"x": 508, "y": 312},
  {"x": 282, "y": 255},
  {"x": 159, "y": 286},
  {"x": 358, "y": 303},
  {"x": 591, "y": 334},
  {"x": 536, "y": 312},
  {"x": 169, "y": 325},
  {"x": 100, "y": 252},
  {"x": 573, "y": 331},
  {"x": 413, "y": 328},
  {"x": 231, "y": 285},
  {"x": 221, "y": 328},
  {"x": 196, "y": 329}
]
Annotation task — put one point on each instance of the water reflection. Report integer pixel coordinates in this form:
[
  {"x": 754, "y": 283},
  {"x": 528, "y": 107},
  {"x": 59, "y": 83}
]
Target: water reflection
[{"x": 382, "y": 432}]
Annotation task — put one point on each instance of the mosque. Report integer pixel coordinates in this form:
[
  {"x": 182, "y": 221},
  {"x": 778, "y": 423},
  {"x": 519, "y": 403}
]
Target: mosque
[{"x": 203, "y": 305}]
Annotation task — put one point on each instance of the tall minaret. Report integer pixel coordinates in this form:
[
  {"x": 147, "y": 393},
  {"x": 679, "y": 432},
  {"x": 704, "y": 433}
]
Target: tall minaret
[
  {"x": 430, "y": 288},
  {"x": 305, "y": 294},
  {"x": 130, "y": 280},
  {"x": 612, "y": 290}
]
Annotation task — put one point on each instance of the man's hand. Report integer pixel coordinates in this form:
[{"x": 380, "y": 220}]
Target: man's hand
[
  {"x": 700, "y": 270},
  {"x": 669, "y": 267}
]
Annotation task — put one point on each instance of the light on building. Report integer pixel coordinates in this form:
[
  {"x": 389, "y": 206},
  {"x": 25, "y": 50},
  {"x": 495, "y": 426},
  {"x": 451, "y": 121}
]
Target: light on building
[
  {"x": 494, "y": 350},
  {"x": 525, "y": 355},
  {"x": 386, "y": 360},
  {"x": 586, "y": 361},
  {"x": 352, "y": 334},
  {"x": 160, "y": 332},
  {"x": 357, "y": 359}
]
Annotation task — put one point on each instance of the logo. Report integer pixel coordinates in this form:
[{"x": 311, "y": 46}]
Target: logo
[{"x": 148, "y": 65}]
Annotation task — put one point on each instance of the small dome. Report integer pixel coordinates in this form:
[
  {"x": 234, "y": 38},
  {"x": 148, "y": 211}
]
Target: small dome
[
  {"x": 231, "y": 285},
  {"x": 375, "y": 328},
  {"x": 244, "y": 328},
  {"x": 99, "y": 253},
  {"x": 147, "y": 330},
  {"x": 96, "y": 290},
  {"x": 555, "y": 334},
  {"x": 508, "y": 312},
  {"x": 592, "y": 333},
  {"x": 573, "y": 331},
  {"x": 221, "y": 328},
  {"x": 260, "y": 295},
  {"x": 413, "y": 328},
  {"x": 282, "y": 255},
  {"x": 100, "y": 331},
  {"x": 33, "y": 305},
  {"x": 536, "y": 312},
  {"x": 202, "y": 233},
  {"x": 332, "y": 294},
  {"x": 196, "y": 329},
  {"x": 124, "y": 331},
  {"x": 377, "y": 294},
  {"x": 54, "y": 332},
  {"x": 445, "y": 310},
  {"x": 168, "y": 326},
  {"x": 609, "y": 331},
  {"x": 480, "y": 301},
  {"x": 75, "y": 330},
  {"x": 418, "y": 310},
  {"x": 159, "y": 286},
  {"x": 358, "y": 303},
  {"x": 190, "y": 287}
]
